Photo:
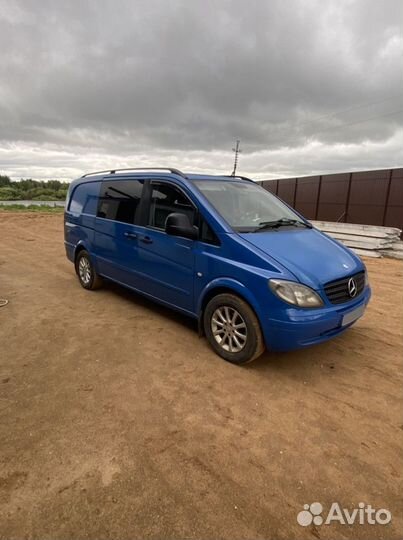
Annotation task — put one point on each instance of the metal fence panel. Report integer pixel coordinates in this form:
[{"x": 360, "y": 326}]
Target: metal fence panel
[
  {"x": 369, "y": 197},
  {"x": 394, "y": 209},
  {"x": 333, "y": 197},
  {"x": 271, "y": 185},
  {"x": 286, "y": 190},
  {"x": 306, "y": 196}
]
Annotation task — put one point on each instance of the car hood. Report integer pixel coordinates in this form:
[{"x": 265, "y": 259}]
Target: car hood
[{"x": 312, "y": 256}]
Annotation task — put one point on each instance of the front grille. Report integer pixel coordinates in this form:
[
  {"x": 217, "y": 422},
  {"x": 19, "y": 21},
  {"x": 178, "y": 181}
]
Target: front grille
[{"x": 338, "y": 291}]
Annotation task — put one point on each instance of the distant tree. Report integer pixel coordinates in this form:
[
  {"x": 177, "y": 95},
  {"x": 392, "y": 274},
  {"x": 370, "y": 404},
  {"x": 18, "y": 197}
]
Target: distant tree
[
  {"x": 54, "y": 184},
  {"x": 28, "y": 189},
  {"x": 8, "y": 194},
  {"x": 4, "y": 180},
  {"x": 28, "y": 183}
]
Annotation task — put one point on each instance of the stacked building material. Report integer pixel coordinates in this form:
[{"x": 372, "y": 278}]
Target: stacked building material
[
  {"x": 396, "y": 252},
  {"x": 367, "y": 240}
]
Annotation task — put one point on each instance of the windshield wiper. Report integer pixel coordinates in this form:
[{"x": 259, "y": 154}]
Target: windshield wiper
[{"x": 283, "y": 222}]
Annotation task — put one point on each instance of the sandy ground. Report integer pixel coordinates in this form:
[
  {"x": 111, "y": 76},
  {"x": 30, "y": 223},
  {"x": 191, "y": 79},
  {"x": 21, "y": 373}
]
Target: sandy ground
[{"x": 118, "y": 421}]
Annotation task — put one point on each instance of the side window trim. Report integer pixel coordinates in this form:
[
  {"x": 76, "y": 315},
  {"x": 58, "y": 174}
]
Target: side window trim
[
  {"x": 154, "y": 182},
  {"x": 146, "y": 205},
  {"x": 72, "y": 198},
  {"x": 216, "y": 240},
  {"x": 138, "y": 212}
]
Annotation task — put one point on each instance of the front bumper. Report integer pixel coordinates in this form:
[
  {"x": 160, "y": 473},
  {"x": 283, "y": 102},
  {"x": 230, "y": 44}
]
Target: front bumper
[{"x": 301, "y": 328}]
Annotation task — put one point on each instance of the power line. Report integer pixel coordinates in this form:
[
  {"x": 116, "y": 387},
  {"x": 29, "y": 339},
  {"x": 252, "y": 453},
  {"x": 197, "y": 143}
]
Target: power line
[
  {"x": 362, "y": 121},
  {"x": 348, "y": 125},
  {"x": 353, "y": 108}
]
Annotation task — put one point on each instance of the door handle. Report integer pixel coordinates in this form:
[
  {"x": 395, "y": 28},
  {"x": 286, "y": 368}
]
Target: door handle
[
  {"x": 146, "y": 240},
  {"x": 130, "y": 235}
]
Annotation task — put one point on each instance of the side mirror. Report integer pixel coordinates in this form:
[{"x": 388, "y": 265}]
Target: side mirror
[{"x": 178, "y": 224}]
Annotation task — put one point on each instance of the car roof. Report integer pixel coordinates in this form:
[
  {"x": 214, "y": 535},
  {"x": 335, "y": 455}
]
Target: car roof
[
  {"x": 156, "y": 172},
  {"x": 218, "y": 177}
]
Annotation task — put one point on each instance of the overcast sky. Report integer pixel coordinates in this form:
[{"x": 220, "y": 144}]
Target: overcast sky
[{"x": 308, "y": 86}]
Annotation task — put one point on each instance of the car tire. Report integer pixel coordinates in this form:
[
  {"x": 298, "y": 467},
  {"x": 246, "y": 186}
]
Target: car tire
[
  {"x": 86, "y": 273},
  {"x": 232, "y": 329}
]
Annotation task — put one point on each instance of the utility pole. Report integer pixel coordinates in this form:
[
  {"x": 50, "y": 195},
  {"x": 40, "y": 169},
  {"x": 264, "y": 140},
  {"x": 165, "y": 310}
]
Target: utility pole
[{"x": 237, "y": 151}]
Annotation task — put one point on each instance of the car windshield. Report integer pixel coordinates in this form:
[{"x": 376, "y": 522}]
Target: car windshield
[{"x": 246, "y": 206}]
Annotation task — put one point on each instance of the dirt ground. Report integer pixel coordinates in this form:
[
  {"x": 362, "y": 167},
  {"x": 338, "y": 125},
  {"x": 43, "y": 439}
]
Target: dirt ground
[{"x": 118, "y": 421}]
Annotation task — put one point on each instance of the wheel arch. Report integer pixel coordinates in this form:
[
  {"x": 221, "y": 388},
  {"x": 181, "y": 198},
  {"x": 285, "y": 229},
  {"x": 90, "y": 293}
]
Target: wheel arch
[
  {"x": 222, "y": 286},
  {"x": 81, "y": 246},
  {"x": 78, "y": 248}
]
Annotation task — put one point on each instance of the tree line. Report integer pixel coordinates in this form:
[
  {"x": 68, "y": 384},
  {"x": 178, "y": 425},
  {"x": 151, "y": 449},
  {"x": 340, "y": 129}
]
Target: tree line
[{"x": 28, "y": 189}]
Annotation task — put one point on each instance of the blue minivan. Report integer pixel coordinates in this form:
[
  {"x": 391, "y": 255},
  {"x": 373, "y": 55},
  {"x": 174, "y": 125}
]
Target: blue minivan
[{"x": 221, "y": 249}]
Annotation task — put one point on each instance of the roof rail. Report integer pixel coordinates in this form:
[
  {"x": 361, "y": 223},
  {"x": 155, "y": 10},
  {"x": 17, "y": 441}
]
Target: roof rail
[
  {"x": 241, "y": 177},
  {"x": 113, "y": 171}
]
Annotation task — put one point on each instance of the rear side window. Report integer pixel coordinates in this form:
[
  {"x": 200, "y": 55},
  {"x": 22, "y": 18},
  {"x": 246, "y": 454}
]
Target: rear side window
[
  {"x": 165, "y": 199},
  {"x": 85, "y": 198},
  {"x": 120, "y": 200}
]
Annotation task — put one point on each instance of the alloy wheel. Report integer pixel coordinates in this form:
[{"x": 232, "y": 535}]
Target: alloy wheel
[
  {"x": 229, "y": 329},
  {"x": 84, "y": 270}
]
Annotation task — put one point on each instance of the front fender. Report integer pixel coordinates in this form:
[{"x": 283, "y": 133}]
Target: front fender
[{"x": 229, "y": 283}]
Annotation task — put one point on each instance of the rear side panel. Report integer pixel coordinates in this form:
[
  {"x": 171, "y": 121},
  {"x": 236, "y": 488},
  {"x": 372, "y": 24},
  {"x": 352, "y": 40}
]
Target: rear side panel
[{"x": 79, "y": 218}]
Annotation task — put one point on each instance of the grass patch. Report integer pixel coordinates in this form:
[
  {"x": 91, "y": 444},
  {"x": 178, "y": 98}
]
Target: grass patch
[{"x": 31, "y": 208}]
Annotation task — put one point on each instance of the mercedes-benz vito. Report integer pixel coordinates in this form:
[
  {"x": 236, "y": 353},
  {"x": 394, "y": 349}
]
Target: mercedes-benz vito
[{"x": 221, "y": 249}]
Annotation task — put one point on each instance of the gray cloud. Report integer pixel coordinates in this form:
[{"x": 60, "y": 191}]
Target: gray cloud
[{"x": 307, "y": 86}]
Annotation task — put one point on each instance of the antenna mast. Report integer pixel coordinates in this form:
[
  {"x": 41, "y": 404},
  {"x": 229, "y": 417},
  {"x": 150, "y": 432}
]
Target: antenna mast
[{"x": 237, "y": 151}]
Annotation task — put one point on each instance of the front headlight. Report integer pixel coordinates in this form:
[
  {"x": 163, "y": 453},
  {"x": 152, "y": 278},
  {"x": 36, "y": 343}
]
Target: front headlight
[{"x": 295, "y": 293}]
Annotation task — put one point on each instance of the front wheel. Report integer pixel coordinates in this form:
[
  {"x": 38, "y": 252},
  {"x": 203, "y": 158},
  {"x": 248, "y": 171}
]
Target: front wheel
[
  {"x": 232, "y": 329},
  {"x": 86, "y": 273}
]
